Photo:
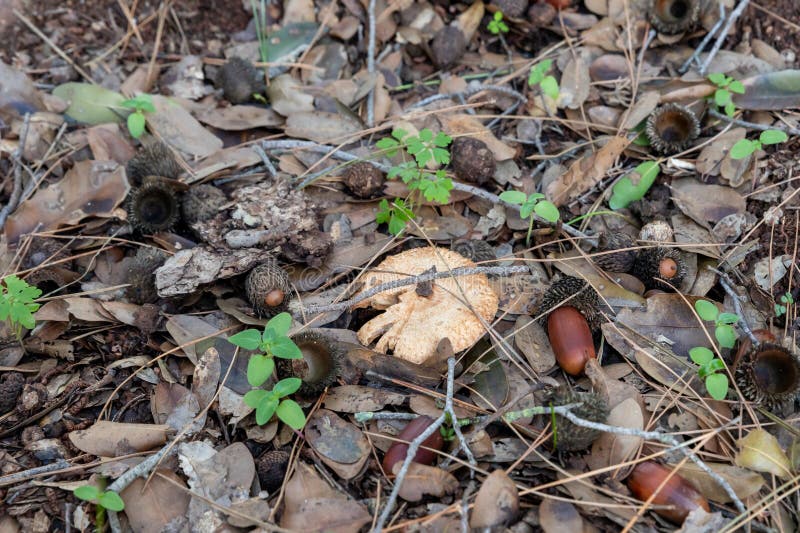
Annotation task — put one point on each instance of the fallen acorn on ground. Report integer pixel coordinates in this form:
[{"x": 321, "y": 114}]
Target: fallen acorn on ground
[
  {"x": 398, "y": 451},
  {"x": 677, "y": 492},
  {"x": 268, "y": 289}
]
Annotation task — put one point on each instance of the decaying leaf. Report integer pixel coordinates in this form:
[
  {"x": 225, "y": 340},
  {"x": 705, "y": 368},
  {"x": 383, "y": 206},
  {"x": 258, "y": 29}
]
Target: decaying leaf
[
  {"x": 557, "y": 515},
  {"x": 760, "y": 451},
  {"x": 497, "y": 502},
  {"x": 744, "y": 482},
  {"x": 157, "y": 505},
  {"x": 112, "y": 439},
  {"x": 423, "y": 480},
  {"x": 340, "y": 444},
  {"x": 355, "y": 398}
]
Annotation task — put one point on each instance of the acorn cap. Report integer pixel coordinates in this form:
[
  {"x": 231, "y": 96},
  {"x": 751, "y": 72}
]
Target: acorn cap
[
  {"x": 239, "y": 80},
  {"x": 672, "y": 17},
  {"x": 201, "y": 203},
  {"x": 472, "y": 160},
  {"x": 657, "y": 231},
  {"x": 448, "y": 46},
  {"x": 769, "y": 375},
  {"x": 268, "y": 289},
  {"x": 153, "y": 159},
  {"x": 153, "y": 207},
  {"x": 660, "y": 262},
  {"x": 672, "y": 128},
  {"x": 620, "y": 261},
  {"x": 363, "y": 180},
  {"x": 568, "y": 436},
  {"x": 142, "y": 275},
  {"x": 475, "y": 250},
  {"x": 586, "y": 300},
  {"x": 11, "y": 384},
  {"x": 271, "y": 468},
  {"x": 320, "y": 366}
]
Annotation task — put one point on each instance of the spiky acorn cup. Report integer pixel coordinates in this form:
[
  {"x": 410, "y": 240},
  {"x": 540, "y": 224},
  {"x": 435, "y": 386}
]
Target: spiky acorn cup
[
  {"x": 154, "y": 206},
  {"x": 239, "y": 80},
  {"x": 142, "y": 277},
  {"x": 201, "y": 203},
  {"x": 271, "y": 468},
  {"x": 447, "y": 46},
  {"x": 363, "y": 180},
  {"x": 268, "y": 289},
  {"x": 768, "y": 375},
  {"x": 621, "y": 261},
  {"x": 561, "y": 292},
  {"x": 672, "y": 17},
  {"x": 153, "y": 159},
  {"x": 11, "y": 385},
  {"x": 475, "y": 250},
  {"x": 320, "y": 366},
  {"x": 473, "y": 161},
  {"x": 671, "y": 128},
  {"x": 653, "y": 265},
  {"x": 569, "y": 437}
]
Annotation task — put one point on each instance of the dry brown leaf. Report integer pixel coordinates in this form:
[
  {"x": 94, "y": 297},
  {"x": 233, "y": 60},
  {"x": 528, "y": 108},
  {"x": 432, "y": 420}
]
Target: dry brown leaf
[
  {"x": 760, "y": 451},
  {"x": 531, "y": 339},
  {"x": 240, "y": 117},
  {"x": 422, "y": 480},
  {"x": 743, "y": 482},
  {"x": 460, "y": 125},
  {"x": 556, "y": 516},
  {"x": 178, "y": 128},
  {"x": 321, "y": 126},
  {"x": 355, "y": 398},
  {"x": 153, "y": 506},
  {"x": 610, "y": 449},
  {"x": 470, "y": 20},
  {"x": 108, "y": 144},
  {"x": 497, "y": 502},
  {"x": 112, "y": 439},
  {"x": 706, "y": 204},
  {"x": 574, "y": 84},
  {"x": 340, "y": 444}
]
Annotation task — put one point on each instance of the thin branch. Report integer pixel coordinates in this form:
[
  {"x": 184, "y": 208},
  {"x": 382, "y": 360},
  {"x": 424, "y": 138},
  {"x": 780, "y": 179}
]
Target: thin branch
[
  {"x": 752, "y": 125},
  {"x": 16, "y": 192},
  {"x": 470, "y": 92},
  {"x": 695, "y": 57},
  {"x": 265, "y": 159},
  {"x": 371, "y": 64},
  {"x": 723, "y": 34},
  {"x": 727, "y": 284}
]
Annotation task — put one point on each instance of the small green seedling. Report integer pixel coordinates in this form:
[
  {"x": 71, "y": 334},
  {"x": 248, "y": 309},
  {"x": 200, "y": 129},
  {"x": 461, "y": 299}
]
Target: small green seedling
[
  {"x": 141, "y": 104},
  {"x": 722, "y": 95},
  {"x": 107, "y": 499},
  {"x": 528, "y": 205},
  {"x": 17, "y": 304},
  {"x": 745, "y": 147},
  {"x": 396, "y": 215},
  {"x": 786, "y": 301},
  {"x": 496, "y": 25},
  {"x": 712, "y": 371},
  {"x": 272, "y": 342},
  {"x": 547, "y": 83},
  {"x": 625, "y": 192},
  {"x": 723, "y": 331}
]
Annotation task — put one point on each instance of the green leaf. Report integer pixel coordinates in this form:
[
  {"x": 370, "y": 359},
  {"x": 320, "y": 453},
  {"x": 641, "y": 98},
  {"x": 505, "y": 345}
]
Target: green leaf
[
  {"x": 259, "y": 369},
  {"x": 498, "y": 16},
  {"x": 513, "y": 197},
  {"x": 701, "y": 355},
  {"x": 249, "y": 339},
  {"x": 265, "y": 410},
  {"x": 87, "y": 493},
  {"x": 5, "y": 308},
  {"x": 383, "y": 214},
  {"x": 280, "y": 323},
  {"x": 772, "y": 137},
  {"x": 388, "y": 145},
  {"x": 549, "y": 87},
  {"x": 254, "y": 397},
  {"x": 742, "y": 149},
  {"x": 730, "y": 109},
  {"x": 706, "y": 310},
  {"x": 727, "y": 318},
  {"x": 442, "y": 140},
  {"x": 717, "y": 78},
  {"x": 726, "y": 335},
  {"x": 285, "y": 348},
  {"x": 715, "y": 365},
  {"x": 547, "y": 211},
  {"x": 526, "y": 209},
  {"x": 399, "y": 133},
  {"x": 717, "y": 386},
  {"x": 721, "y": 97},
  {"x": 292, "y": 414},
  {"x": 286, "y": 386},
  {"x": 625, "y": 192},
  {"x": 111, "y": 501},
  {"x": 736, "y": 87},
  {"x": 396, "y": 225},
  {"x": 136, "y": 124}
]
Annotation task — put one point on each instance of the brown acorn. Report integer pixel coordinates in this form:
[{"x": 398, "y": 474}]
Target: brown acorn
[
  {"x": 142, "y": 277},
  {"x": 11, "y": 384},
  {"x": 398, "y": 451},
  {"x": 448, "y": 46},
  {"x": 671, "y": 128},
  {"x": 672, "y": 17},
  {"x": 472, "y": 160},
  {"x": 153, "y": 159},
  {"x": 655, "y": 264},
  {"x": 621, "y": 261},
  {"x": 567, "y": 436},
  {"x": 476, "y": 250},
  {"x": 201, "y": 203},
  {"x": 154, "y": 206},
  {"x": 363, "y": 180},
  {"x": 239, "y": 80},
  {"x": 268, "y": 289},
  {"x": 677, "y": 493},
  {"x": 767, "y": 374},
  {"x": 320, "y": 366},
  {"x": 271, "y": 468}
]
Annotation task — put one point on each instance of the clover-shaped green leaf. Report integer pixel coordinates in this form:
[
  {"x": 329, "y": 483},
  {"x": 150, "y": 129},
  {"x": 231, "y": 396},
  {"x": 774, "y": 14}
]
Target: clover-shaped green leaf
[
  {"x": 706, "y": 310},
  {"x": 717, "y": 386},
  {"x": 291, "y": 414}
]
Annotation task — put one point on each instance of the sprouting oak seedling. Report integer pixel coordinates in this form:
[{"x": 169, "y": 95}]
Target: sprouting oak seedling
[
  {"x": 712, "y": 371},
  {"x": 723, "y": 331},
  {"x": 785, "y": 301},
  {"x": 141, "y": 104},
  {"x": 722, "y": 96},
  {"x": 547, "y": 83},
  {"x": 396, "y": 215},
  {"x": 528, "y": 205},
  {"x": 106, "y": 499},
  {"x": 625, "y": 192},
  {"x": 496, "y": 25},
  {"x": 745, "y": 147},
  {"x": 17, "y": 304}
]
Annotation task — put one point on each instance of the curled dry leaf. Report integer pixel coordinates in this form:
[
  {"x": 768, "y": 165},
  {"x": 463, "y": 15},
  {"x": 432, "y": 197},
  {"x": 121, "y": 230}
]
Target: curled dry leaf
[
  {"x": 497, "y": 502},
  {"x": 556, "y": 516},
  {"x": 413, "y": 324},
  {"x": 153, "y": 506},
  {"x": 760, "y": 451},
  {"x": 177, "y": 127},
  {"x": 355, "y": 398},
  {"x": 706, "y": 204},
  {"x": 422, "y": 480},
  {"x": 744, "y": 482},
  {"x": 112, "y": 439},
  {"x": 340, "y": 444},
  {"x": 612, "y": 449}
]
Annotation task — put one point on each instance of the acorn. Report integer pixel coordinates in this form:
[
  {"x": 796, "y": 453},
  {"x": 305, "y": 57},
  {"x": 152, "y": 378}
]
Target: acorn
[
  {"x": 657, "y": 231},
  {"x": 767, "y": 374},
  {"x": 398, "y": 451},
  {"x": 271, "y": 468},
  {"x": 154, "y": 206},
  {"x": 677, "y": 493},
  {"x": 448, "y": 46},
  {"x": 472, "y": 160},
  {"x": 268, "y": 289},
  {"x": 475, "y": 250},
  {"x": 672, "y": 17},
  {"x": 47, "y": 279},
  {"x": 567, "y": 436},
  {"x": 153, "y": 159},
  {"x": 621, "y": 261},
  {"x": 11, "y": 384},
  {"x": 511, "y": 8},
  {"x": 320, "y": 366},
  {"x": 586, "y": 300},
  {"x": 201, "y": 203},
  {"x": 239, "y": 80},
  {"x": 142, "y": 277},
  {"x": 363, "y": 180},
  {"x": 655, "y": 264},
  {"x": 671, "y": 128}
]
